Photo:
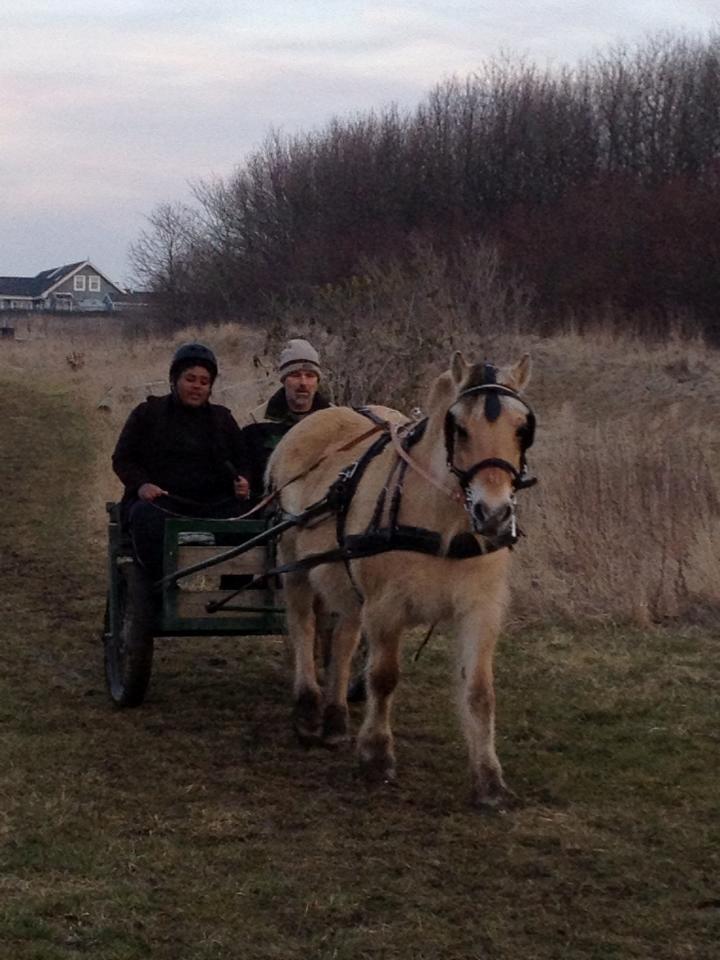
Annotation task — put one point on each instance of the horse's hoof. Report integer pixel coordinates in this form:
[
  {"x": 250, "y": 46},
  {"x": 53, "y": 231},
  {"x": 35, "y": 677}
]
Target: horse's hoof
[
  {"x": 378, "y": 763},
  {"x": 337, "y": 742},
  {"x": 496, "y": 799},
  {"x": 380, "y": 772},
  {"x": 335, "y": 727},
  {"x": 307, "y": 719},
  {"x": 308, "y": 736}
]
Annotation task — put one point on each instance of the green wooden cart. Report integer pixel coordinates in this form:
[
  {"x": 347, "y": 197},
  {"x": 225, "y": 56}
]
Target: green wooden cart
[{"x": 137, "y": 612}]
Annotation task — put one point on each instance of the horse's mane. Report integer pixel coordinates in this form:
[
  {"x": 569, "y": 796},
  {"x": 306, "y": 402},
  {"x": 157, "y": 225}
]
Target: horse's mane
[
  {"x": 463, "y": 376},
  {"x": 445, "y": 388}
]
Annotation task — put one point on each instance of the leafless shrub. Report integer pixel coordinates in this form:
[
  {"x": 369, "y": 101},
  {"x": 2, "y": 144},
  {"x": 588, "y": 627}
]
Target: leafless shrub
[
  {"x": 626, "y": 520},
  {"x": 75, "y": 359},
  {"x": 384, "y": 330}
]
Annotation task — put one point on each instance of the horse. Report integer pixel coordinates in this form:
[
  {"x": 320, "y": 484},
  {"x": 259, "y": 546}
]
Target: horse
[{"x": 423, "y": 518}]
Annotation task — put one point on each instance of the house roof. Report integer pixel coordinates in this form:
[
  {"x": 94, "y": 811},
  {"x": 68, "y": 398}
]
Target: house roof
[
  {"x": 45, "y": 281},
  {"x": 137, "y": 298},
  {"x": 17, "y": 286}
]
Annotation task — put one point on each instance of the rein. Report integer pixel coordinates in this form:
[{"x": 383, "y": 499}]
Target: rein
[
  {"x": 455, "y": 495},
  {"x": 378, "y": 425},
  {"x": 395, "y": 536},
  {"x": 274, "y": 494}
]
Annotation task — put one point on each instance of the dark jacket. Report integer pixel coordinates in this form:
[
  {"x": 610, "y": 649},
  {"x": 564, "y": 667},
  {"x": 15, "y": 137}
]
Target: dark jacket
[
  {"x": 272, "y": 422},
  {"x": 190, "y": 452}
]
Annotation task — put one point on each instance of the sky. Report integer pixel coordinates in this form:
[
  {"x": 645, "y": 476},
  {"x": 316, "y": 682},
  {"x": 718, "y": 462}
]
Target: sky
[{"x": 112, "y": 107}]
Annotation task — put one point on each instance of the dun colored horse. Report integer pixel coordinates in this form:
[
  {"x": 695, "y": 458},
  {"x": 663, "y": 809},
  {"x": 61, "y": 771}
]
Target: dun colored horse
[{"x": 419, "y": 537}]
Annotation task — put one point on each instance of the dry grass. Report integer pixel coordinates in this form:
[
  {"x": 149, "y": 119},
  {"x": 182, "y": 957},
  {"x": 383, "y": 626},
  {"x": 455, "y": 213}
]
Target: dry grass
[
  {"x": 196, "y": 829},
  {"x": 117, "y": 373},
  {"x": 625, "y": 523}
]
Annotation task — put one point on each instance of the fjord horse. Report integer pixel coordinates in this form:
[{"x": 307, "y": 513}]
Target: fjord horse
[{"x": 453, "y": 510}]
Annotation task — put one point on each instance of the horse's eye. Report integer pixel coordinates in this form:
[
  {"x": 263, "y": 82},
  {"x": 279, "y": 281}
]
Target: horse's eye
[
  {"x": 523, "y": 434},
  {"x": 461, "y": 432}
]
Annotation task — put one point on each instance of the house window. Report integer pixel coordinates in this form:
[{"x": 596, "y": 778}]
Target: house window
[
  {"x": 94, "y": 284},
  {"x": 79, "y": 282}
]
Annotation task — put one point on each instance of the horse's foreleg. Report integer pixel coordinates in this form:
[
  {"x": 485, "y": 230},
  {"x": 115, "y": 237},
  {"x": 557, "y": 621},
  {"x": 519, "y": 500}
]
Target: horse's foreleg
[
  {"x": 375, "y": 741},
  {"x": 335, "y": 721},
  {"x": 307, "y": 712},
  {"x": 477, "y": 708}
]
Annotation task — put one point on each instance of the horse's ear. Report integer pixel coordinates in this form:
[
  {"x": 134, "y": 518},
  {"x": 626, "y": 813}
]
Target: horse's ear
[
  {"x": 459, "y": 368},
  {"x": 518, "y": 375}
]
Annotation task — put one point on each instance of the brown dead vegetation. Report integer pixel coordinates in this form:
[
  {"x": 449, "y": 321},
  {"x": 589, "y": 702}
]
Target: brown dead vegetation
[{"x": 625, "y": 522}]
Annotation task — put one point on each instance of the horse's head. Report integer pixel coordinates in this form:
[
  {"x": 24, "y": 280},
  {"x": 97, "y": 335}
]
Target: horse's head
[{"x": 488, "y": 428}]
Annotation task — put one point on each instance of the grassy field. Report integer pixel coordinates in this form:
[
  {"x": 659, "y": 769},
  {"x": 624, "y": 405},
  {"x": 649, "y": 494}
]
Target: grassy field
[{"x": 196, "y": 827}]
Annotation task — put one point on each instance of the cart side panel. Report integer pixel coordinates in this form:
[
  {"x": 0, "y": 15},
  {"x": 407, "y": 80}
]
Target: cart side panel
[{"x": 255, "y": 611}]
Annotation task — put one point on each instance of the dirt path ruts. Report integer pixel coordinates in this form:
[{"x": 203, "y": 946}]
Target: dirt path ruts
[{"x": 47, "y": 573}]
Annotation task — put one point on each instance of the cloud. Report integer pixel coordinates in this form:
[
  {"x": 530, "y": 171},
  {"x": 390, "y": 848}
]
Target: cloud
[{"x": 108, "y": 109}]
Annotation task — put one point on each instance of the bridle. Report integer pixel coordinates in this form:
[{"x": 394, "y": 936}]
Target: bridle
[{"x": 493, "y": 391}]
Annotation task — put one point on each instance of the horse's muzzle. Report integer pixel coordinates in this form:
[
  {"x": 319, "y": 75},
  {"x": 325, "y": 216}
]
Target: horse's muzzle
[{"x": 494, "y": 523}]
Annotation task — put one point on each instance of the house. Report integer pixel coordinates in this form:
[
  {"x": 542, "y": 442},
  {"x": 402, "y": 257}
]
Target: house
[{"x": 74, "y": 287}]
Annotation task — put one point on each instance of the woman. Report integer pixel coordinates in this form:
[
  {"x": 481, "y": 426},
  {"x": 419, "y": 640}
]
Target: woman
[{"x": 179, "y": 454}]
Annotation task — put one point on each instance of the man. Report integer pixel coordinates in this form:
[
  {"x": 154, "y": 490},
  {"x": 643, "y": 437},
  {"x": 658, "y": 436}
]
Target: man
[
  {"x": 299, "y": 372},
  {"x": 179, "y": 454}
]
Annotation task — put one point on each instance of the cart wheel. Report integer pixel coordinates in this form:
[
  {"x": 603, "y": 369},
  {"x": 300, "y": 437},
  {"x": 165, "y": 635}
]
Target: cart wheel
[{"x": 129, "y": 648}]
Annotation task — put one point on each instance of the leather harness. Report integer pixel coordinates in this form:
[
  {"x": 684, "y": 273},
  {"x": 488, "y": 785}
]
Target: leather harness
[{"x": 376, "y": 538}]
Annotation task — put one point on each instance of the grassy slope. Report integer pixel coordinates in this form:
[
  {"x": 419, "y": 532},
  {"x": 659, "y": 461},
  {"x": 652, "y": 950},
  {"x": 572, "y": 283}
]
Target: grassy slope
[{"x": 195, "y": 828}]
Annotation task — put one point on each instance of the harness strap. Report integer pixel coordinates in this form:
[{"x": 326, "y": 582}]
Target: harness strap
[
  {"x": 353, "y": 475},
  {"x": 455, "y": 495},
  {"x": 361, "y": 545},
  {"x": 465, "y": 476},
  {"x": 321, "y": 507},
  {"x": 336, "y": 500},
  {"x": 355, "y": 547},
  {"x": 373, "y": 530},
  {"x": 348, "y": 445}
]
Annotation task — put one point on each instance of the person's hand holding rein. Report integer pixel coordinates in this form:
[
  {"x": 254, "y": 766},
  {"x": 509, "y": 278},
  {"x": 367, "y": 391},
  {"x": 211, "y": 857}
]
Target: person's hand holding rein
[
  {"x": 150, "y": 491},
  {"x": 241, "y": 487}
]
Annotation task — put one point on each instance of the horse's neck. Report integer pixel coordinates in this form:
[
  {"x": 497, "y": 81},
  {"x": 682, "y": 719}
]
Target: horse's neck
[{"x": 423, "y": 503}]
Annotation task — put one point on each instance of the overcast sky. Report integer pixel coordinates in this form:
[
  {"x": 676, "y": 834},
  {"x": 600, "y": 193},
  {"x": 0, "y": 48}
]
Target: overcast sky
[{"x": 110, "y": 107}]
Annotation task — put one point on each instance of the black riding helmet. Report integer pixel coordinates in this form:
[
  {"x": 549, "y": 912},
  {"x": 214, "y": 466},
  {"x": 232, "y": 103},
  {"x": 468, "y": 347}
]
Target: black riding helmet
[{"x": 193, "y": 355}]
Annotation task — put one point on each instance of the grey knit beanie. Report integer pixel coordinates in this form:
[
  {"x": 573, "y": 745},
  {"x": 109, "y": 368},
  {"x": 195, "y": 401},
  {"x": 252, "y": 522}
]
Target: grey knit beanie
[{"x": 298, "y": 355}]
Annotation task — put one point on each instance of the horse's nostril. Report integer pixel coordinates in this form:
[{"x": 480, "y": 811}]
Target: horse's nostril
[
  {"x": 490, "y": 521},
  {"x": 505, "y": 514}
]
